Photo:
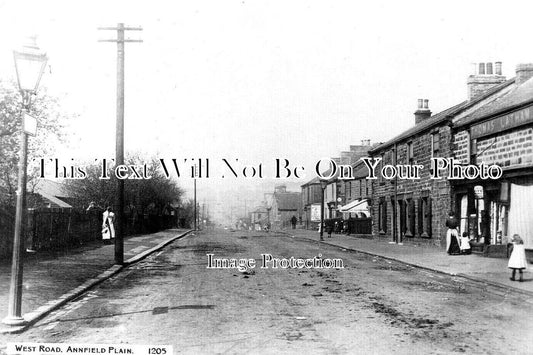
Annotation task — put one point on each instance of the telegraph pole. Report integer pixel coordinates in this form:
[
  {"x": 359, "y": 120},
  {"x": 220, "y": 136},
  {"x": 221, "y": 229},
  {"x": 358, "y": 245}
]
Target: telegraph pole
[
  {"x": 195, "y": 214},
  {"x": 119, "y": 147}
]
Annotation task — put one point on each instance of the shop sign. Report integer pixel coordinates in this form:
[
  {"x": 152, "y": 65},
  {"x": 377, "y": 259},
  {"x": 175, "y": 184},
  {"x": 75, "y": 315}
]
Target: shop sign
[
  {"x": 315, "y": 213},
  {"x": 478, "y": 191},
  {"x": 502, "y": 123}
]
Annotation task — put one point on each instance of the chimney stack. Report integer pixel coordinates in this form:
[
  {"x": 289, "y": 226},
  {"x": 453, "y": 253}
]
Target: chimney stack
[
  {"x": 486, "y": 75},
  {"x": 523, "y": 73},
  {"x": 423, "y": 112},
  {"x": 346, "y": 158}
]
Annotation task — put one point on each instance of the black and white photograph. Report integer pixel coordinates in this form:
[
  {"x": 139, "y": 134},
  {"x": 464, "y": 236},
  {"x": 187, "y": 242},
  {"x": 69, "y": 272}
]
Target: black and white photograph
[{"x": 266, "y": 177}]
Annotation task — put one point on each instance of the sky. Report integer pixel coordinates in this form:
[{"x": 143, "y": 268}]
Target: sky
[{"x": 259, "y": 80}]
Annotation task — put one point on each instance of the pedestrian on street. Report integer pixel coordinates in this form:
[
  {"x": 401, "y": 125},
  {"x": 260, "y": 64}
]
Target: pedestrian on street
[
  {"x": 329, "y": 229},
  {"x": 452, "y": 235},
  {"x": 108, "y": 228},
  {"x": 293, "y": 222},
  {"x": 517, "y": 261},
  {"x": 465, "y": 244}
]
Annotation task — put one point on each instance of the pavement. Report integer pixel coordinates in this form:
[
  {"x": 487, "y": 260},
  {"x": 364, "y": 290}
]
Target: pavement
[
  {"x": 50, "y": 279},
  {"x": 476, "y": 267}
]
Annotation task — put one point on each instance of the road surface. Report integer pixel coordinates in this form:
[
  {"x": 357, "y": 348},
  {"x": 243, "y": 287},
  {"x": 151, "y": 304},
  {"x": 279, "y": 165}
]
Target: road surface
[{"x": 371, "y": 305}]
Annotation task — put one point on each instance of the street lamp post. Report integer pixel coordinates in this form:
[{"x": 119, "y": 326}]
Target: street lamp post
[
  {"x": 30, "y": 62},
  {"x": 323, "y": 185}
]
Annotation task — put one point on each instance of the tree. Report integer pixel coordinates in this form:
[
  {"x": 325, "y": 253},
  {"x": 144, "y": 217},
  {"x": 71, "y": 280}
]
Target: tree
[
  {"x": 50, "y": 124},
  {"x": 142, "y": 195}
]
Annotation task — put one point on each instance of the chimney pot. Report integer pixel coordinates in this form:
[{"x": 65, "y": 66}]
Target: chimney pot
[
  {"x": 423, "y": 112},
  {"x": 484, "y": 79},
  {"x": 498, "y": 68},
  {"x": 489, "y": 68}
]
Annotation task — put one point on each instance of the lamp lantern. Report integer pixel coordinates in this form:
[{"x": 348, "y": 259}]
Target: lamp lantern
[{"x": 30, "y": 62}]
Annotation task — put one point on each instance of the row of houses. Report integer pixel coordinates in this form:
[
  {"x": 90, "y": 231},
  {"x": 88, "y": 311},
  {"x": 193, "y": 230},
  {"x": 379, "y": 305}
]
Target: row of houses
[
  {"x": 494, "y": 125},
  {"x": 279, "y": 210}
]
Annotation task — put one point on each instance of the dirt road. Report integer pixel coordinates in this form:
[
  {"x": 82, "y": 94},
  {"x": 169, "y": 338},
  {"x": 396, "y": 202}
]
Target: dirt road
[{"x": 372, "y": 305}]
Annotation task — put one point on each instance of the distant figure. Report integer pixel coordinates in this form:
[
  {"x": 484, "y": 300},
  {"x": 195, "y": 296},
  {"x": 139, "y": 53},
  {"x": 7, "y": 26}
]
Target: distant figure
[
  {"x": 108, "y": 227},
  {"x": 465, "y": 244},
  {"x": 517, "y": 261},
  {"x": 91, "y": 207},
  {"x": 293, "y": 222},
  {"x": 452, "y": 236},
  {"x": 329, "y": 229}
]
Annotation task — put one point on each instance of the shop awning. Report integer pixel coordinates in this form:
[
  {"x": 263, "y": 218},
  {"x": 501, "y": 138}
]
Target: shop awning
[{"x": 356, "y": 207}]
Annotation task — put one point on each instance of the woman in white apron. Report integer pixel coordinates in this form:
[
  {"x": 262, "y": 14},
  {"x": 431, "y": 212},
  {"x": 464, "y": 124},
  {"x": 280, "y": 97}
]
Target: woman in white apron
[{"x": 108, "y": 229}]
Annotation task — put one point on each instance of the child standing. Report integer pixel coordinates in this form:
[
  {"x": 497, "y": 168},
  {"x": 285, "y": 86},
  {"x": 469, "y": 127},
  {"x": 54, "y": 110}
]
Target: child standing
[
  {"x": 517, "y": 261},
  {"x": 465, "y": 244}
]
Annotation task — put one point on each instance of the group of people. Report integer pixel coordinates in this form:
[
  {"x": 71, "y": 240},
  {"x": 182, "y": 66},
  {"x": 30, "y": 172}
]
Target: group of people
[{"x": 457, "y": 246}]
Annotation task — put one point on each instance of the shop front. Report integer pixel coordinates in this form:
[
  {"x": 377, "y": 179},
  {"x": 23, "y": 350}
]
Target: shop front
[{"x": 491, "y": 212}]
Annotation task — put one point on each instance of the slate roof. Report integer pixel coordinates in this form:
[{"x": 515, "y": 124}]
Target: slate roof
[
  {"x": 288, "y": 201},
  {"x": 440, "y": 117},
  {"x": 515, "y": 98},
  {"x": 52, "y": 191},
  {"x": 316, "y": 179},
  {"x": 360, "y": 170},
  {"x": 261, "y": 209}
]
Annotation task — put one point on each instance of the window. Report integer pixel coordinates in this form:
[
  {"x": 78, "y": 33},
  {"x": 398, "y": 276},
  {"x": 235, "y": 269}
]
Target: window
[
  {"x": 473, "y": 151},
  {"x": 435, "y": 144},
  {"x": 410, "y": 153},
  {"x": 366, "y": 186},
  {"x": 381, "y": 180},
  {"x": 481, "y": 68},
  {"x": 349, "y": 189},
  {"x": 360, "y": 187}
]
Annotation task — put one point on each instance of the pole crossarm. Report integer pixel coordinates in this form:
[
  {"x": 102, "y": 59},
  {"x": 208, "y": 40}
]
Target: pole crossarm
[
  {"x": 121, "y": 41},
  {"x": 123, "y": 28}
]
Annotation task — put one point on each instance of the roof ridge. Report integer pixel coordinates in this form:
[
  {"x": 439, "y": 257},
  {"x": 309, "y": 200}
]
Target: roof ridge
[{"x": 440, "y": 116}]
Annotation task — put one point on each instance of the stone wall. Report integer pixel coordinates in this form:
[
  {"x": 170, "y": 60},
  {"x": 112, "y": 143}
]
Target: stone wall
[
  {"x": 511, "y": 149},
  {"x": 416, "y": 192}
]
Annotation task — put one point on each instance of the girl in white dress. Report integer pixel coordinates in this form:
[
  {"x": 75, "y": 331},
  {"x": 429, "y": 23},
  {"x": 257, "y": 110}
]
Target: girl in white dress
[{"x": 517, "y": 261}]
